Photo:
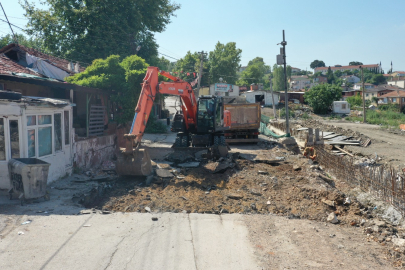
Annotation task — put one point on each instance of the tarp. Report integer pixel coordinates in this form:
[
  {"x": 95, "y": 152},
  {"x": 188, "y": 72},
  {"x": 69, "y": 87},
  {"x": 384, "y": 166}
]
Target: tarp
[
  {"x": 44, "y": 68},
  {"x": 265, "y": 131}
]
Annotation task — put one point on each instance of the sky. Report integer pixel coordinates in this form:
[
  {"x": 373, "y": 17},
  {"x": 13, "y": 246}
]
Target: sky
[{"x": 336, "y": 32}]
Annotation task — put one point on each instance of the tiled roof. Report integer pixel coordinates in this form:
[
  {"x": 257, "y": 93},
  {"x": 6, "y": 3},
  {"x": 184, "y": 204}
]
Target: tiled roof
[
  {"x": 388, "y": 87},
  {"x": 8, "y": 66},
  {"x": 55, "y": 61},
  {"x": 347, "y": 67},
  {"x": 397, "y": 93},
  {"x": 362, "y": 83}
]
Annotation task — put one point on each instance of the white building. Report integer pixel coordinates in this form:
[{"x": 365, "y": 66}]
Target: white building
[
  {"x": 300, "y": 82},
  {"x": 399, "y": 83},
  {"x": 263, "y": 97},
  {"x": 351, "y": 79},
  {"x": 335, "y": 68},
  {"x": 295, "y": 70},
  {"x": 36, "y": 128},
  {"x": 358, "y": 86},
  {"x": 341, "y": 107}
]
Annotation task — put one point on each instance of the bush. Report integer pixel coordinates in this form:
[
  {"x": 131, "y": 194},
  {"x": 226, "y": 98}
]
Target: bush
[
  {"x": 305, "y": 116},
  {"x": 321, "y": 97},
  {"x": 283, "y": 114},
  {"x": 355, "y": 100},
  {"x": 154, "y": 126},
  {"x": 389, "y": 107}
]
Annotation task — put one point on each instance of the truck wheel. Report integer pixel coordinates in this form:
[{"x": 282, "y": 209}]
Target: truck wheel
[
  {"x": 177, "y": 142},
  {"x": 216, "y": 140},
  {"x": 222, "y": 140},
  {"x": 184, "y": 141}
]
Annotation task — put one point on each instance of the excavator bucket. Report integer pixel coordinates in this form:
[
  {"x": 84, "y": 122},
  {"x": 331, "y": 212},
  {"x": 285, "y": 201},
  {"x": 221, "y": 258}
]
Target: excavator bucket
[{"x": 137, "y": 163}]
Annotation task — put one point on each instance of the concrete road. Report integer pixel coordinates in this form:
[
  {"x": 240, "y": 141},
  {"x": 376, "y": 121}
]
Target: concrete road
[{"x": 128, "y": 241}]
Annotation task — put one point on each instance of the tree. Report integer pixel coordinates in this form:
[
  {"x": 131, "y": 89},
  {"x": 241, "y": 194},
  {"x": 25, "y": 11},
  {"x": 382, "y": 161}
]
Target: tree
[
  {"x": 321, "y": 97},
  {"x": 355, "y": 63},
  {"x": 88, "y": 30},
  {"x": 317, "y": 63},
  {"x": 338, "y": 73},
  {"x": 329, "y": 75},
  {"x": 355, "y": 100},
  {"x": 187, "y": 64},
  {"x": 224, "y": 62},
  {"x": 378, "y": 79},
  {"x": 30, "y": 42},
  {"x": 122, "y": 78},
  {"x": 254, "y": 72},
  {"x": 278, "y": 77}
]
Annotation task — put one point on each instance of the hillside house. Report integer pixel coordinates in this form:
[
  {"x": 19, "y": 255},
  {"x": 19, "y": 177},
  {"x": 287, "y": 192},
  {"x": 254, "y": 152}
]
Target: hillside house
[
  {"x": 394, "y": 97},
  {"x": 335, "y": 68}
]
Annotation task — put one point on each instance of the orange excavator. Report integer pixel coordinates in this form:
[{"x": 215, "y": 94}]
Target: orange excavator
[{"x": 205, "y": 121}]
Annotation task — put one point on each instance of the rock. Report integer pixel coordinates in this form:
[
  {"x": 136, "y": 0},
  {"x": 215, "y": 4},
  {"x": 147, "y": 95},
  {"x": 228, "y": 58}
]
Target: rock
[
  {"x": 223, "y": 150},
  {"x": 268, "y": 202},
  {"x": 287, "y": 141},
  {"x": 256, "y": 193},
  {"x": 332, "y": 218},
  {"x": 164, "y": 173},
  {"x": 179, "y": 157},
  {"x": 219, "y": 167},
  {"x": 105, "y": 212},
  {"x": 149, "y": 180},
  {"x": 375, "y": 228},
  {"x": 200, "y": 154},
  {"x": 362, "y": 222},
  {"x": 264, "y": 189},
  {"x": 314, "y": 167},
  {"x": 329, "y": 202},
  {"x": 235, "y": 196},
  {"x": 189, "y": 165},
  {"x": 296, "y": 168},
  {"x": 224, "y": 211},
  {"x": 368, "y": 230},
  {"x": 253, "y": 206},
  {"x": 380, "y": 223},
  {"x": 263, "y": 172},
  {"x": 347, "y": 201},
  {"x": 399, "y": 242},
  {"x": 154, "y": 218},
  {"x": 147, "y": 209}
]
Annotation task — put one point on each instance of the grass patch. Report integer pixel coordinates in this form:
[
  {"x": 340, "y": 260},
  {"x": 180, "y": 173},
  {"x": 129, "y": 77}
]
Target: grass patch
[{"x": 384, "y": 118}]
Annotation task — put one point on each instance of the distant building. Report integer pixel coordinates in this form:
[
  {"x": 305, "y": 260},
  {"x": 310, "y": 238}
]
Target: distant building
[
  {"x": 394, "y": 97},
  {"x": 299, "y": 82},
  {"x": 241, "y": 69},
  {"x": 358, "y": 86},
  {"x": 351, "y": 79},
  {"x": 341, "y": 107},
  {"x": 295, "y": 70},
  {"x": 335, "y": 68},
  {"x": 264, "y": 97},
  {"x": 399, "y": 83}
]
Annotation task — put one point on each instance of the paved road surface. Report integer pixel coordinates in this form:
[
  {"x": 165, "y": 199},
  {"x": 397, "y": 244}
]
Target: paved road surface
[{"x": 129, "y": 241}]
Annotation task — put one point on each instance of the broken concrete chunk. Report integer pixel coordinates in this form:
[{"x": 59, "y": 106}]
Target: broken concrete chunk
[
  {"x": 164, "y": 173},
  {"x": 235, "y": 196},
  {"x": 147, "y": 209},
  {"x": 329, "y": 202},
  {"x": 399, "y": 242},
  {"x": 189, "y": 165},
  {"x": 179, "y": 157},
  {"x": 296, "y": 168},
  {"x": 256, "y": 193},
  {"x": 332, "y": 218},
  {"x": 200, "y": 154}
]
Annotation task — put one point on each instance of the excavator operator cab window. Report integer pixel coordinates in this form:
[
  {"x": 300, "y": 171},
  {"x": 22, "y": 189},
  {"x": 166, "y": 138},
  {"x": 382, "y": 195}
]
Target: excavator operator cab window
[{"x": 206, "y": 112}]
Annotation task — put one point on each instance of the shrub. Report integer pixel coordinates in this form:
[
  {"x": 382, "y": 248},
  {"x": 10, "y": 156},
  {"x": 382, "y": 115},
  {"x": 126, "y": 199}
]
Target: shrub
[{"x": 154, "y": 126}]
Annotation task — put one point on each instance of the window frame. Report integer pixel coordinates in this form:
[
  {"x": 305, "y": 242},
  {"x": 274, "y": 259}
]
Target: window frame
[{"x": 52, "y": 125}]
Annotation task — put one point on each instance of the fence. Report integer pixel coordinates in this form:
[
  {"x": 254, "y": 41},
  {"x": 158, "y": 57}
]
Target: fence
[{"x": 383, "y": 182}]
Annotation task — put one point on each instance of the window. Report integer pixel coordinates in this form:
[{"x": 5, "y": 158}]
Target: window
[
  {"x": 57, "y": 124},
  {"x": 14, "y": 139},
  {"x": 343, "y": 106},
  {"x": 66, "y": 125},
  {"x": 366, "y": 95},
  {"x": 40, "y": 137},
  {"x": 394, "y": 99},
  {"x": 2, "y": 141}
]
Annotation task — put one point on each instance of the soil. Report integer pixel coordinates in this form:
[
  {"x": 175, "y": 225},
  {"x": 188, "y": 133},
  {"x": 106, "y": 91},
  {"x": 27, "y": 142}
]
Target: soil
[{"x": 294, "y": 188}]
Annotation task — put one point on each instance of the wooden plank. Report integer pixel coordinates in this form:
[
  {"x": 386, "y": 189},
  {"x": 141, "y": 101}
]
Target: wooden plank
[
  {"x": 366, "y": 143},
  {"x": 300, "y": 129},
  {"x": 344, "y": 151},
  {"x": 331, "y": 136},
  {"x": 341, "y": 143}
]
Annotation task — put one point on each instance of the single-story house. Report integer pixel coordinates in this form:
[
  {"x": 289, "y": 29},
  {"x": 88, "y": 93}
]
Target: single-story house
[
  {"x": 264, "y": 97},
  {"x": 341, "y": 107},
  {"x": 394, "y": 97},
  {"x": 292, "y": 96}
]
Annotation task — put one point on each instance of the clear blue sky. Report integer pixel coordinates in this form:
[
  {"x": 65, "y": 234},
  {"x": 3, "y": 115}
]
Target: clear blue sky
[{"x": 336, "y": 32}]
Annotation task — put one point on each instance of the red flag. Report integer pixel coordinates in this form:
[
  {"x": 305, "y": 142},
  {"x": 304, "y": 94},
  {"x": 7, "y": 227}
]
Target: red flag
[
  {"x": 188, "y": 73},
  {"x": 194, "y": 74}
]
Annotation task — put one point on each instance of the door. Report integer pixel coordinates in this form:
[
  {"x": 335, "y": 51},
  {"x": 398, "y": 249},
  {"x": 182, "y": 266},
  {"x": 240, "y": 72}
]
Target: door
[{"x": 14, "y": 141}]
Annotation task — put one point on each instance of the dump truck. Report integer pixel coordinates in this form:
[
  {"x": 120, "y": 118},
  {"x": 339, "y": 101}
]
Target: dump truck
[{"x": 245, "y": 122}]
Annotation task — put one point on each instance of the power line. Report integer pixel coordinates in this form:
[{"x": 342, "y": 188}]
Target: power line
[
  {"x": 168, "y": 56},
  {"x": 16, "y": 40}
]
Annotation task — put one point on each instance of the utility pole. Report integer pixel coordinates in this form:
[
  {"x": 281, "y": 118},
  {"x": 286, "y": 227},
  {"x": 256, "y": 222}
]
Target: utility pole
[
  {"x": 272, "y": 98},
  {"x": 200, "y": 72},
  {"x": 364, "y": 100},
  {"x": 287, "y": 120}
]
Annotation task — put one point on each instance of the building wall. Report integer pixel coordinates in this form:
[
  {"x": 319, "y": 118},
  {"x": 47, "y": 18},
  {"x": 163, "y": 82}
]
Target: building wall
[
  {"x": 234, "y": 93},
  {"x": 341, "y": 107},
  {"x": 400, "y": 83},
  {"x": 60, "y": 159},
  {"x": 251, "y": 97},
  {"x": 91, "y": 153}
]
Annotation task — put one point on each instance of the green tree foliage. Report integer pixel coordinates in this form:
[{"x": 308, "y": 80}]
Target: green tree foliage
[
  {"x": 355, "y": 100},
  {"x": 30, "y": 42},
  {"x": 187, "y": 64},
  {"x": 254, "y": 72},
  {"x": 88, "y": 30},
  {"x": 278, "y": 77},
  {"x": 224, "y": 62},
  {"x": 321, "y": 97},
  {"x": 317, "y": 63},
  {"x": 355, "y": 63},
  {"x": 164, "y": 64},
  {"x": 122, "y": 78},
  {"x": 377, "y": 79},
  {"x": 330, "y": 76},
  {"x": 338, "y": 73}
]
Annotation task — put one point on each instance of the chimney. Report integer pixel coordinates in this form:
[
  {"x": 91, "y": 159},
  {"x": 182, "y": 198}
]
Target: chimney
[{"x": 77, "y": 67}]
